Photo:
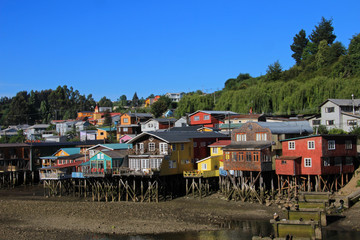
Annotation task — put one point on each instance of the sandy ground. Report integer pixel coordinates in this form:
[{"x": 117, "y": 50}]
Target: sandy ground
[{"x": 26, "y": 214}]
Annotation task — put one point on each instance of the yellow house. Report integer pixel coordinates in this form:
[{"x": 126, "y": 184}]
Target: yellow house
[
  {"x": 104, "y": 133},
  {"x": 170, "y": 152},
  {"x": 210, "y": 166}
]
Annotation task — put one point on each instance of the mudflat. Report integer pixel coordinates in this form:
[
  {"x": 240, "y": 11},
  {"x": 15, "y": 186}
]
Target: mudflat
[{"x": 26, "y": 214}]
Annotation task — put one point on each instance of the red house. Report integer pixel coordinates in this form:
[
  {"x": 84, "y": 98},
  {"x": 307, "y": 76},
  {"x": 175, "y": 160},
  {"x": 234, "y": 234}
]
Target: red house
[
  {"x": 317, "y": 155},
  {"x": 209, "y": 118}
]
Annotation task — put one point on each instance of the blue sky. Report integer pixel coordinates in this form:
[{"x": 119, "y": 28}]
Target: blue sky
[{"x": 113, "y": 47}]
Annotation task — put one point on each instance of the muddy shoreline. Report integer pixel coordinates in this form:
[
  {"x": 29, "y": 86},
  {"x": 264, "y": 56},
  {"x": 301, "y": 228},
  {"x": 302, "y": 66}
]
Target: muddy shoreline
[{"x": 26, "y": 214}]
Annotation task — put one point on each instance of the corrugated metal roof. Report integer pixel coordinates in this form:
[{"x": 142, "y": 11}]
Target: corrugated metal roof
[
  {"x": 71, "y": 151},
  {"x": 291, "y": 127},
  {"x": 116, "y": 153},
  {"x": 220, "y": 143},
  {"x": 342, "y": 102}
]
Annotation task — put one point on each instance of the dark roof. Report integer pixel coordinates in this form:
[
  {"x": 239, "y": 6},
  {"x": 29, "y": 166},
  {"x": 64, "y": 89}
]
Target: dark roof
[
  {"x": 116, "y": 153},
  {"x": 141, "y": 115},
  {"x": 342, "y": 102},
  {"x": 327, "y": 136},
  {"x": 184, "y": 129},
  {"x": 180, "y": 136},
  {"x": 248, "y": 145}
]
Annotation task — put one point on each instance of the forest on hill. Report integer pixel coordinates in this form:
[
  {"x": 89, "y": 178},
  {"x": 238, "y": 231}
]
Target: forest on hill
[{"x": 324, "y": 68}]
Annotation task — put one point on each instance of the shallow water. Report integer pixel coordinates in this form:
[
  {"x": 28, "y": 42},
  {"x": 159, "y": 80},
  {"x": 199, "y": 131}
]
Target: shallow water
[{"x": 240, "y": 230}]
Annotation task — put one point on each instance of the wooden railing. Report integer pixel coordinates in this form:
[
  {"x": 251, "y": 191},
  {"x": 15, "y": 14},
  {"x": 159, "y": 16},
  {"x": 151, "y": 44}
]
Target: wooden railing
[{"x": 198, "y": 173}]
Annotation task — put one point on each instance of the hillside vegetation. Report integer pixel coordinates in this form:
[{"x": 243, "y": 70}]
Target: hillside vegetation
[{"x": 324, "y": 69}]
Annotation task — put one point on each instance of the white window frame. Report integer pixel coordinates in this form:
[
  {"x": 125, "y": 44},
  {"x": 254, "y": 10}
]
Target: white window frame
[
  {"x": 215, "y": 150},
  {"x": 330, "y": 109},
  {"x": 330, "y": 122},
  {"x": 151, "y": 146},
  {"x": 172, "y": 163},
  {"x": 163, "y": 148},
  {"x": 241, "y": 137},
  {"x": 311, "y": 144},
  {"x": 196, "y": 118},
  {"x": 206, "y": 117},
  {"x": 125, "y": 120},
  {"x": 261, "y": 136},
  {"x": 203, "y": 166},
  {"x": 307, "y": 162},
  {"x": 331, "y": 145},
  {"x": 291, "y": 145}
]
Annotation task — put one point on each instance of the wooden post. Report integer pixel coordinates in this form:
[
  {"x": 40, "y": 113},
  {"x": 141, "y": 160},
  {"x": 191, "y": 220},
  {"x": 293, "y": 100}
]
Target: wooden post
[
  {"x": 187, "y": 187},
  {"x": 309, "y": 183},
  {"x": 200, "y": 188},
  {"x": 134, "y": 188},
  {"x": 127, "y": 190},
  {"x": 193, "y": 187},
  {"x": 142, "y": 190},
  {"x": 157, "y": 191}
]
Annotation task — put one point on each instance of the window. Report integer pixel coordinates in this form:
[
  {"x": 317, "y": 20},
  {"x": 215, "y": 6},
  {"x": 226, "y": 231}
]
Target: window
[
  {"x": 330, "y": 109},
  {"x": 348, "y": 161},
  {"x": 163, "y": 148},
  {"x": 203, "y": 144},
  {"x": 206, "y": 117},
  {"x": 283, "y": 161},
  {"x": 316, "y": 122},
  {"x": 348, "y": 144},
  {"x": 215, "y": 150},
  {"x": 326, "y": 162},
  {"x": 151, "y": 146},
  {"x": 292, "y": 145},
  {"x": 256, "y": 156},
  {"x": 331, "y": 144},
  {"x": 182, "y": 147},
  {"x": 141, "y": 147},
  {"x": 307, "y": 162},
  {"x": 311, "y": 144},
  {"x": 329, "y": 122},
  {"x": 150, "y": 125},
  {"x": 248, "y": 156},
  {"x": 125, "y": 129},
  {"x": 196, "y": 118},
  {"x": 261, "y": 137},
  {"x": 174, "y": 147},
  {"x": 172, "y": 164},
  {"x": 204, "y": 166},
  {"x": 125, "y": 120},
  {"x": 234, "y": 156},
  {"x": 337, "y": 161},
  {"x": 352, "y": 122},
  {"x": 241, "y": 137},
  {"x": 195, "y": 144},
  {"x": 241, "y": 156},
  {"x": 227, "y": 156}
]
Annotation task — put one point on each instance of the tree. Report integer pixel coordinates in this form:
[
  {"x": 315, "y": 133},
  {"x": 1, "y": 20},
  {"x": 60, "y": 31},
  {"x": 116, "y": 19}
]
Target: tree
[
  {"x": 160, "y": 106},
  {"x": 300, "y": 42},
  {"x": 323, "y": 31},
  {"x": 135, "y": 100},
  {"x": 108, "y": 119},
  {"x": 354, "y": 46},
  {"x": 123, "y": 100},
  {"x": 105, "y": 102},
  {"x": 274, "y": 71}
]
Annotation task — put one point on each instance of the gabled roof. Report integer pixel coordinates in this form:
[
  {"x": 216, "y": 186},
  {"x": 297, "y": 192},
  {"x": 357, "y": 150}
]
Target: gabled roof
[
  {"x": 107, "y": 129},
  {"x": 350, "y": 114},
  {"x": 140, "y": 115},
  {"x": 39, "y": 126},
  {"x": 342, "y": 102},
  {"x": 113, "y": 146},
  {"x": 220, "y": 143},
  {"x": 69, "y": 151},
  {"x": 225, "y": 113},
  {"x": 184, "y": 129},
  {"x": 178, "y": 136}
]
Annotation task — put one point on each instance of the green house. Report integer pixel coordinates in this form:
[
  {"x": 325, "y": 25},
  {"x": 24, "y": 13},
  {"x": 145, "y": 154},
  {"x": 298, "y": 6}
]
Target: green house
[{"x": 104, "y": 162}]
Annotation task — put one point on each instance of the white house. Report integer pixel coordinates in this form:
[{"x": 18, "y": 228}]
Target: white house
[
  {"x": 340, "y": 113},
  {"x": 175, "y": 97}
]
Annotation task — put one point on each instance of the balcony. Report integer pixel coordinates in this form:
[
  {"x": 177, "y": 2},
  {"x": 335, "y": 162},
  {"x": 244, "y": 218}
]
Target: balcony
[{"x": 146, "y": 151}]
